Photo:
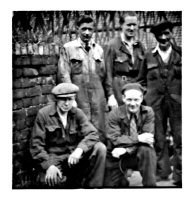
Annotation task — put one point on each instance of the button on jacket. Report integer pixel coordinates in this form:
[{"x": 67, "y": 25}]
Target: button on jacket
[
  {"x": 120, "y": 67},
  {"x": 86, "y": 70},
  {"x": 52, "y": 144}
]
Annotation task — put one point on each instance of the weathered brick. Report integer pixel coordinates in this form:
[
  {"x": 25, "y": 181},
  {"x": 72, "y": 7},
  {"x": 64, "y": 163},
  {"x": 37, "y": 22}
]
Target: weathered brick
[
  {"x": 25, "y": 60},
  {"x": 39, "y": 100},
  {"x": 46, "y": 89},
  {"x": 30, "y": 82},
  {"x": 48, "y": 70},
  {"x": 18, "y": 104},
  {"x": 30, "y": 121},
  {"x": 20, "y": 125},
  {"x": 18, "y": 93},
  {"x": 21, "y": 135},
  {"x": 17, "y": 60},
  {"x": 30, "y": 72},
  {"x": 50, "y": 60},
  {"x": 27, "y": 102},
  {"x": 17, "y": 73},
  {"x": 34, "y": 91},
  {"x": 19, "y": 114},
  {"x": 32, "y": 111},
  {"x": 17, "y": 83},
  {"x": 36, "y": 60},
  {"x": 48, "y": 80}
]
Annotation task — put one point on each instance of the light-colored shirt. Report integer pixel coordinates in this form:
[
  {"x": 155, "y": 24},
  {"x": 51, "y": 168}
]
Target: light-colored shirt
[
  {"x": 63, "y": 117},
  {"x": 165, "y": 55}
]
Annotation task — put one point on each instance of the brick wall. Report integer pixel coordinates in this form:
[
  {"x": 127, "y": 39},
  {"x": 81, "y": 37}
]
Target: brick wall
[{"x": 33, "y": 78}]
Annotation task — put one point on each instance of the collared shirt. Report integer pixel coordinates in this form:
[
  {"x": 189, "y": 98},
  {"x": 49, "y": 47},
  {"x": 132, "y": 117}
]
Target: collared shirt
[
  {"x": 118, "y": 126},
  {"x": 129, "y": 45},
  {"x": 63, "y": 117},
  {"x": 165, "y": 55}
]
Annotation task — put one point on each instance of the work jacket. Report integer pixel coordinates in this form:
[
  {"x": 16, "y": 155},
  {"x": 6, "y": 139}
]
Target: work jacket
[
  {"x": 52, "y": 144},
  {"x": 161, "y": 79}
]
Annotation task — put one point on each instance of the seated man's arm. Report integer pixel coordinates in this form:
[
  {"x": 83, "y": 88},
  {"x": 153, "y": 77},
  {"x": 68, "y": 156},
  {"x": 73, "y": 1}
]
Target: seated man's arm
[
  {"x": 40, "y": 155},
  {"x": 147, "y": 134}
]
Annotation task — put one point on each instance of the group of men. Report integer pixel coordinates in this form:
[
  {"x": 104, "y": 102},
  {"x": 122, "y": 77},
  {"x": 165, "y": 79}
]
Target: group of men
[{"x": 76, "y": 143}]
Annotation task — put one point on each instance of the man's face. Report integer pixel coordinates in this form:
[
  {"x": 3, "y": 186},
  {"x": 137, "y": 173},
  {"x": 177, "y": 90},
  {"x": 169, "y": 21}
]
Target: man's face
[
  {"x": 65, "y": 103},
  {"x": 130, "y": 26},
  {"x": 85, "y": 31},
  {"x": 164, "y": 38},
  {"x": 133, "y": 100}
]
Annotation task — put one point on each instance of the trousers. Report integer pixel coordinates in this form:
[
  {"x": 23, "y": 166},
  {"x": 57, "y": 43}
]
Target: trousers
[
  {"x": 143, "y": 160},
  {"x": 88, "y": 173}
]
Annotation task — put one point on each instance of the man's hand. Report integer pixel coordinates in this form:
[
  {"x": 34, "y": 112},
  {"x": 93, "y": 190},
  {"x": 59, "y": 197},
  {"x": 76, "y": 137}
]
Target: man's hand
[
  {"x": 147, "y": 138},
  {"x": 75, "y": 157},
  {"x": 52, "y": 174},
  {"x": 117, "y": 152},
  {"x": 112, "y": 102}
]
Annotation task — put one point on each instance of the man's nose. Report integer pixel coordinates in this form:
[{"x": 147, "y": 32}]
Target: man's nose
[
  {"x": 87, "y": 32},
  {"x": 163, "y": 37}
]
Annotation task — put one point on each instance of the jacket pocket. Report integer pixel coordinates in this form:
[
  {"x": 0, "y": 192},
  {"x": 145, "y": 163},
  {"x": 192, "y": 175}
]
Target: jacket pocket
[
  {"x": 54, "y": 133},
  {"x": 153, "y": 71},
  {"x": 76, "y": 65}
]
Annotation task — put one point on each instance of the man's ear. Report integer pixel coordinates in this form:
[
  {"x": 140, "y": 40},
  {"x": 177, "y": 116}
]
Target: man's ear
[{"x": 123, "y": 98}]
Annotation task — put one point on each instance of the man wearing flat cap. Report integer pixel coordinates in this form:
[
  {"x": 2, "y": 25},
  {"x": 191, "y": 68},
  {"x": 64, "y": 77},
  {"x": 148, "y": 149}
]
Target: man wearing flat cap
[
  {"x": 65, "y": 145},
  {"x": 161, "y": 74},
  {"x": 130, "y": 140}
]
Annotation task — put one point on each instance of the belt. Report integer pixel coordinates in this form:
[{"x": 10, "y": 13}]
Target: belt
[{"x": 123, "y": 78}]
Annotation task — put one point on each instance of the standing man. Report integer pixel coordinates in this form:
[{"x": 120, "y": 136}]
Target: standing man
[
  {"x": 123, "y": 57},
  {"x": 161, "y": 74},
  {"x": 65, "y": 145},
  {"x": 82, "y": 63},
  {"x": 130, "y": 140}
]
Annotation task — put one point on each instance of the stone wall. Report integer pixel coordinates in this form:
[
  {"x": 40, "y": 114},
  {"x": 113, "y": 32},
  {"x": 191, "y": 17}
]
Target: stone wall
[{"x": 33, "y": 78}]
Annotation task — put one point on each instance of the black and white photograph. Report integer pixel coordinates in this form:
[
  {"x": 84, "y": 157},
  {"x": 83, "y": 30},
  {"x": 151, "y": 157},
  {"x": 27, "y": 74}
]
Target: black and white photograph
[{"x": 96, "y": 99}]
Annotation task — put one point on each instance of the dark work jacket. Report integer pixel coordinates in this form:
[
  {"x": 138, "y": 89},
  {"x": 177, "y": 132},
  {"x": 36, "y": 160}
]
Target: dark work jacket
[
  {"x": 119, "y": 126},
  {"x": 51, "y": 143},
  {"x": 118, "y": 62},
  {"x": 161, "y": 79}
]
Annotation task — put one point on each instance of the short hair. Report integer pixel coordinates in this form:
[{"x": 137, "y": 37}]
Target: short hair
[
  {"x": 85, "y": 19},
  {"x": 129, "y": 13}
]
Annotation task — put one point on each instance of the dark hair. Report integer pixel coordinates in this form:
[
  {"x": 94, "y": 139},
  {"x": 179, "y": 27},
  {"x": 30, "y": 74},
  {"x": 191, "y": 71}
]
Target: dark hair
[
  {"x": 129, "y": 13},
  {"x": 84, "y": 19}
]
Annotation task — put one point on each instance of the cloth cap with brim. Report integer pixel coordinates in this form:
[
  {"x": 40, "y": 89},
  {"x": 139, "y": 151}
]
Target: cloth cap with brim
[
  {"x": 133, "y": 86},
  {"x": 65, "y": 90},
  {"x": 156, "y": 29}
]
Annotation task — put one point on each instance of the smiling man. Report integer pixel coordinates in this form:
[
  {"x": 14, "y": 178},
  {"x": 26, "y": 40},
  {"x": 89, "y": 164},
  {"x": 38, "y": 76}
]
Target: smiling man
[
  {"x": 162, "y": 75},
  {"x": 82, "y": 63},
  {"x": 130, "y": 140},
  {"x": 123, "y": 57},
  {"x": 65, "y": 145}
]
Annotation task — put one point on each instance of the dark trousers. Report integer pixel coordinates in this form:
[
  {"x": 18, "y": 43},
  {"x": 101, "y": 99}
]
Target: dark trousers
[
  {"x": 88, "y": 173},
  {"x": 166, "y": 109},
  {"x": 143, "y": 160}
]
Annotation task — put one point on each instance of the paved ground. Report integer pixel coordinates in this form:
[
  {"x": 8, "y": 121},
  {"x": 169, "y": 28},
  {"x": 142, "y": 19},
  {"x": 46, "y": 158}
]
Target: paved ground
[{"x": 135, "y": 181}]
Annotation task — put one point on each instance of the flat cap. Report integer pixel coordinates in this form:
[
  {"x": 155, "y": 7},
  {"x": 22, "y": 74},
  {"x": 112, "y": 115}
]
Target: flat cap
[
  {"x": 65, "y": 90},
  {"x": 132, "y": 86},
  {"x": 157, "y": 28}
]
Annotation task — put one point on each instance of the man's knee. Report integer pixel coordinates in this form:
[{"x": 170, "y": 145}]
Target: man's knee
[{"x": 100, "y": 149}]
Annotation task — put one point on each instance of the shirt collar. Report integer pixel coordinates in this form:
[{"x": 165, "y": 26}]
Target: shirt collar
[
  {"x": 82, "y": 44},
  {"x": 133, "y": 42},
  {"x": 157, "y": 49}
]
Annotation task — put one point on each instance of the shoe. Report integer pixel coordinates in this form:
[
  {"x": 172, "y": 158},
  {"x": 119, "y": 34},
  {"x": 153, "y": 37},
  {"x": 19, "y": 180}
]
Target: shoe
[
  {"x": 178, "y": 183},
  {"x": 162, "y": 178}
]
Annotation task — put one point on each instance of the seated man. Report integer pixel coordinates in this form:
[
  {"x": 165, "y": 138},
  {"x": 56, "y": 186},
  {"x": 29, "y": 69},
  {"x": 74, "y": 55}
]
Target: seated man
[
  {"x": 130, "y": 140},
  {"x": 65, "y": 145}
]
